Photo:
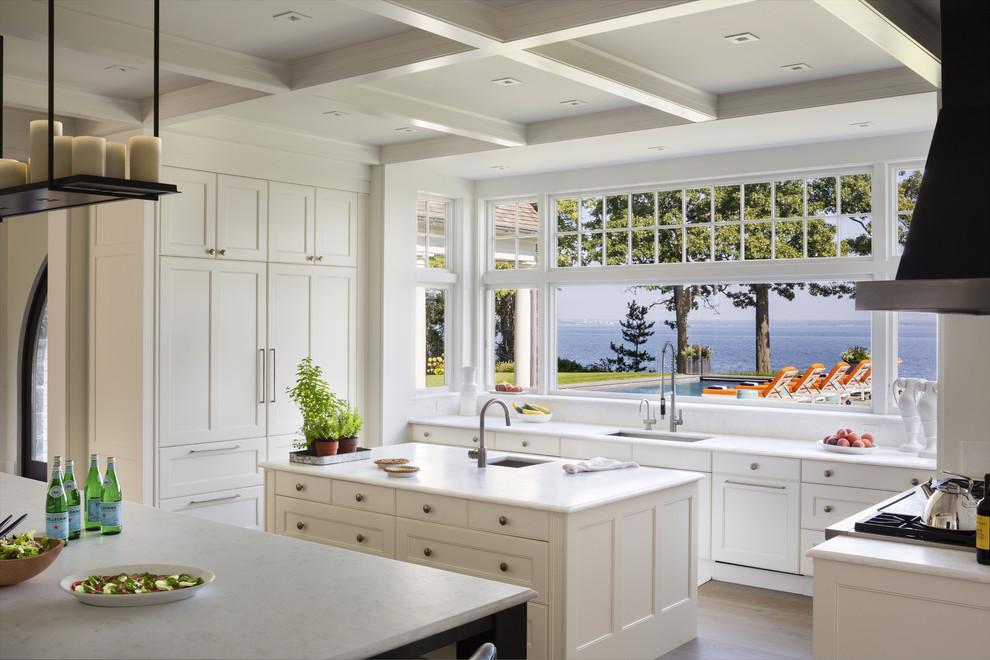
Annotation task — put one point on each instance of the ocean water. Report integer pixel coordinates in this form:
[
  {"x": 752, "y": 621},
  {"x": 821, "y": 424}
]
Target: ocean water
[{"x": 792, "y": 343}]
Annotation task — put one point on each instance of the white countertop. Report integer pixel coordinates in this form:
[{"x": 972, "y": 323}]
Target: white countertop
[
  {"x": 801, "y": 449},
  {"x": 273, "y": 596},
  {"x": 923, "y": 559},
  {"x": 449, "y": 471}
]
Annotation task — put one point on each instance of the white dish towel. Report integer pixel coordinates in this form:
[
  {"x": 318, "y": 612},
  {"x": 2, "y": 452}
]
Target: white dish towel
[{"x": 597, "y": 464}]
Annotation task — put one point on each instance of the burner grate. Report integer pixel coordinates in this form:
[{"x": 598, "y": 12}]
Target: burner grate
[{"x": 910, "y": 527}]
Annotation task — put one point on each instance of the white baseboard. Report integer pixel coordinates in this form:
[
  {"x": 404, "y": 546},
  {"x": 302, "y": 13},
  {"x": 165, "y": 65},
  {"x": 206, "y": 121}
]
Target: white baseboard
[
  {"x": 758, "y": 577},
  {"x": 706, "y": 570}
]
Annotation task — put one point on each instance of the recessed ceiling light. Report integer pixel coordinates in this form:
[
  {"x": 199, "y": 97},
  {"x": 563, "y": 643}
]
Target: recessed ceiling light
[
  {"x": 742, "y": 38},
  {"x": 122, "y": 68},
  {"x": 574, "y": 103},
  {"x": 500, "y": 167},
  {"x": 292, "y": 17},
  {"x": 863, "y": 124},
  {"x": 659, "y": 147},
  {"x": 335, "y": 113},
  {"x": 506, "y": 82},
  {"x": 800, "y": 66},
  {"x": 407, "y": 129}
]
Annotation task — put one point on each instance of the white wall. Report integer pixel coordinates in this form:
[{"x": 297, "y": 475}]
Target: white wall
[{"x": 964, "y": 395}]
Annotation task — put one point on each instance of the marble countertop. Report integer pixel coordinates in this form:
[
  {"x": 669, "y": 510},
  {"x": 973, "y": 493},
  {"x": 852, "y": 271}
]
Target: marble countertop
[
  {"x": 448, "y": 471},
  {"x": 923, "y": 559},
  {"x": 273, "y": 596},
  {"x": 801, "y": 449}
]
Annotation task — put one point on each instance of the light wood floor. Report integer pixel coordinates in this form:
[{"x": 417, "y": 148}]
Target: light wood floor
[{"x": 748, "y": 623}]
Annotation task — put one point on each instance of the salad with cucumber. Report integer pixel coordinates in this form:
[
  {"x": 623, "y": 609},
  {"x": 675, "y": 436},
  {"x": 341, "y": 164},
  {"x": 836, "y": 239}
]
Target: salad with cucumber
[{"x": 22, "y": 546}]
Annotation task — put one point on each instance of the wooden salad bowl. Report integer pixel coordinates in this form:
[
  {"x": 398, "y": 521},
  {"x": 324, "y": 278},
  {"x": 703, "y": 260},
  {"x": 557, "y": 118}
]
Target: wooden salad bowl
[{"x": 13, "y": 571}]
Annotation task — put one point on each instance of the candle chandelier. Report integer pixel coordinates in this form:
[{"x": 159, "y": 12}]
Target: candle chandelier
[{"x": 84, "y": 170}]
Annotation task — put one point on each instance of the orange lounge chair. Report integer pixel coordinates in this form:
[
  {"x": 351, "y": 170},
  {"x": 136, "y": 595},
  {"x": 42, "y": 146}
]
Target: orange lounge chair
[
  {"x": 802, "y": 387},
  {"x": 830, "y": 384},
  {"x": 776, "y": 388},
  {"x": 858, "y": 382}
]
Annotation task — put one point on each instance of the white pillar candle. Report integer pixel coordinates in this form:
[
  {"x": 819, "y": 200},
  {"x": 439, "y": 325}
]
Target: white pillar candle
[
  {"x": 146, "y": 158},
  {"x": 12, "y": 173},
  {"x": 63, "y": 157},
  {"x": 116, "y": 160},
  {"x": 89, "y": 155},
  {"x": 39, "y": 148}
]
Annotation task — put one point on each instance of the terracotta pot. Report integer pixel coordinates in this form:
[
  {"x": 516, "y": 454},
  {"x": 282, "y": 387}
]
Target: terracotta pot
[
  {"x": 325, "y": 447},
  {"x": 347, "y": 445}
]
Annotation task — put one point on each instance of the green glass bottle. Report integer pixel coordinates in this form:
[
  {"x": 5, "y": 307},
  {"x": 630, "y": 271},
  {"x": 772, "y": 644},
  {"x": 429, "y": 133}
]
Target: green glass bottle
[
  {"x": 94, "y": 494},
  {"x": 110, "y": 501},
  {"x": 56, "y": 505},
  {"x": 74, "y": 499}
]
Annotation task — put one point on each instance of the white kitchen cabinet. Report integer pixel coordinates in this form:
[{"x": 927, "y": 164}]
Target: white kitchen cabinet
[
  {"x": 441, "y": 435},
  {"x": 211, "y": 466},
  {"x": 312, "y": 225},
  {"x": 528, "y": 443},
  {"x": 312, "y": 312},
  {"x": 212, "y": 350},
  {"x": 372, "y": 533},
  {"x": 216, "y": 216},
  {"x": 756, "y": 509},
  {"x": 243, "y": 507}
]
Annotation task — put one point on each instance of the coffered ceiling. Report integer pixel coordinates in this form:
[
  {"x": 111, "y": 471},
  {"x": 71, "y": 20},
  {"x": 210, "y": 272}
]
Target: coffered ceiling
[{"x": 484, "y": 88}]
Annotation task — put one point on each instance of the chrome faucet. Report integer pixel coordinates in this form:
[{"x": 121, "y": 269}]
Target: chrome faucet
[
  {"x": 481, "y": 453},
  {"x": 675, "y": 415},
  {"x": 648, "y": 420}
]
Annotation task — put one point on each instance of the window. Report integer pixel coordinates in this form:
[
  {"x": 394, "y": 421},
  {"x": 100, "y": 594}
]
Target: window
[
  {"x": 34, "y": 386},
  {"x": 908, "y": 183},
  {"x": 514, "y": 339},
  {"x": 435, "y": 281},
  {"x": 516, "y": 227}
]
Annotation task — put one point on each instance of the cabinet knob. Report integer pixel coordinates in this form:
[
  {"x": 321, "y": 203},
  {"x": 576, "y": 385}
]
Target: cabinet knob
[
  {"x": 426, "y": 434},
  {"x": 300, "y": 525},
  {"x": 360, "y": 538},
  {"x": 915, "y": 482},
  {"x": 503, "y": 521},
  {"x": 427, "y": 508},
  {"x": 525, "y": 443},
  {"x": 320, "y": 258},
  {"x": 827, "y": 508},
  {"x": 754, "y": 466},
  {"x": 309, "y": 257},
  {"x": 427, "y": 552},
  {"x": 474, "y": 439},
  {"x": 211, "y": 252},
  {"x": 223, "y": 252},
  {"x": 359, "y": 497},
  {"x": 503, "y": 567},
  {"x": 300, "y": 487},
  {"x": 828, "y": 473}
]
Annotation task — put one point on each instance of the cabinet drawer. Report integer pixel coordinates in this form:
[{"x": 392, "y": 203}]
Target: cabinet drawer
[
  {"x": 373, "y": 533},
  {"x": 363, "y": 496},
  {"x": 838, "y": 473},
  {"x": 809, "y": 539},
  {"x": 434, "y": 508},
  {"x": 586, "y": 448},
  {"x": 493, "y": 556},
  {"x": 765, "y": 467},
  {"x": 512, "y": 520},
  {"x": 823, "y": 505},
  {"x": 210, "y": 466},
  {"x": 672, "y": 457},
  {"x": 445, "y": 436},
  {"x": 302, "y": 486},
  {"x": 244, "y": 507},
  {"x": 531, "y": 443}
]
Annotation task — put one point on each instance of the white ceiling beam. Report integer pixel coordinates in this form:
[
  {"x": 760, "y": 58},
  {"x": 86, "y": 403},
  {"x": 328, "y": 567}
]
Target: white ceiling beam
[
  {"x": 868, "y": 21},
  {"x": 448, "y": 145},
  {"x": 466, "y": 21},
  {"x": 425, "y": 114},
  {"x": 611, "y": 122},
  {"x": 198, "y": 101},
  {"x": 590, "y": 66},
  {"x": 32, "y": 95}
]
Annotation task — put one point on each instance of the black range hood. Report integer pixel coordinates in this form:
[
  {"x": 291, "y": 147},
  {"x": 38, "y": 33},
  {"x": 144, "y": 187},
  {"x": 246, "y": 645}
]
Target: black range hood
[{"x": 945, "y": 267}]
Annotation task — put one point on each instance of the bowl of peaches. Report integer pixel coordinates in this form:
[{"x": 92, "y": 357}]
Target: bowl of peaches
[{"x": 847, "y": 441}]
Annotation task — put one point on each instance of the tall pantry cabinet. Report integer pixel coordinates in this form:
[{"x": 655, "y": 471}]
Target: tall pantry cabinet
[{"x": 245, "y": 291}]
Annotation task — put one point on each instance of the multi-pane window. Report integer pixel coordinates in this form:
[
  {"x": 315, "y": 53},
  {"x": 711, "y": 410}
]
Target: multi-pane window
[
  {"x": 513, "y": 336},
  {"x": 813, "y": 217},
  {"x": 908, "y": 183},
  {"x": 431, "y": 353},
  {"x": 431, "y": 233},
  {"x": 516, "y": 229}
]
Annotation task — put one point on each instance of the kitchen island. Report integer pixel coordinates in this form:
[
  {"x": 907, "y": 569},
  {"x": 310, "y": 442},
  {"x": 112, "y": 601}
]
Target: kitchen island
[
  {"x": 612, "y": 555},
  {"x": 273, "y": 597}
]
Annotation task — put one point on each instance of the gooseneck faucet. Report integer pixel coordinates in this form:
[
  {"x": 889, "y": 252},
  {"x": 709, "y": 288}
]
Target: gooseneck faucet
[
  {"x": 675, "y": 415},
  {"x": 481, "y": 453},
  {"x": 649, "y": 421}
]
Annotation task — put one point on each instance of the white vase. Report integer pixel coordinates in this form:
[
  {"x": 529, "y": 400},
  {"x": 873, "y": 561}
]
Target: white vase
[
  {"x": 469, "y": 391},
  {"x": 906, "y": 396},
  {"x": 927, "y": 413}
]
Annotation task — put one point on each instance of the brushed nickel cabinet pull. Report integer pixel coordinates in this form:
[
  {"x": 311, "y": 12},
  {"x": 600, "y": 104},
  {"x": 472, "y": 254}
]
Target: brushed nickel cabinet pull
[
  {"x": 261, "y": 376},
  {"x": 503, "y": 567},
  {"x": 215, "y": 499},
  {"x": 300, "y": 487},
  {"x": 503, "y": 521},
  {"x": 300, "y": 525},
  {"x": 360, "y": 538},
  {"x": 474, "y": 439},
  {"x": 427, "y": 552},
  {"x": 427, "y": 508},
  {"x": 273, "y": 376},
  {"x": 525, "y": 443},
  {"x": 828, "y": 473},
  {"x": 203, "y": 451},
  {"x": 743, "y": 483},
  {"x": 827, "y": 509},
  {"x": 426, "y": 434},
  {"x": 754, "y": 466},
  {"x": 359, "y": 497},
  {"x": 915, "y": 482}
]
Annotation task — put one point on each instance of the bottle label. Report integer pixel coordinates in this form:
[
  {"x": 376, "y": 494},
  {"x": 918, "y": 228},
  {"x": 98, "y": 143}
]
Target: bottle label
[
  {"x": 93, "y": 510},
  {"x": 69, "y": 484},
  {"x": 107, "y": 481},
  {"x": 75, "y": 518},
  {"x": 110, "y": 514},
  {"x": 983, "y": 532},
  {"x": 57, "y": 525},
  {"x": 56, "y": 492}
]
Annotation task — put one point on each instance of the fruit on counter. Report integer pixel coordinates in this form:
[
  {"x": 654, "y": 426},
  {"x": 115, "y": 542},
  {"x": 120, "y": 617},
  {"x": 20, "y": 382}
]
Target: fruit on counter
[
  {"x": 530, "y": 409},
  {"x": 849, "y": 438},
  {"x": 506, "y": 387}
]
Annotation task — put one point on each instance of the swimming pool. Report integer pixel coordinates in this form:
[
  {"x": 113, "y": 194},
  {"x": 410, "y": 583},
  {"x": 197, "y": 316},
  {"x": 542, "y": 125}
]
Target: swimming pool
[{"x": 693, "y": 388}]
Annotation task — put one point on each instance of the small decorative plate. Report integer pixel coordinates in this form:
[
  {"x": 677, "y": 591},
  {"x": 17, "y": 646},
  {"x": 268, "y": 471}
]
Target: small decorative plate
[
  {"x": 401, "y": 470},
  {"x": 131, "y": 600},
  {"x": 848, "y": 450},
  {"x": 384, "y": 463}
]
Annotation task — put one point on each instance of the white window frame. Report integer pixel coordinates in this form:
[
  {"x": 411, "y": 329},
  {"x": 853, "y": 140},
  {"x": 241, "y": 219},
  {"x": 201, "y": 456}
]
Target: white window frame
[{"x": 449, "y": 280}]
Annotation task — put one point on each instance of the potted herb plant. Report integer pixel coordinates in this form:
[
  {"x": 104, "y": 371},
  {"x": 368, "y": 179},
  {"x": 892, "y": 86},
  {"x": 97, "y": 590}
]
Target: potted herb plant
[
  {"x": 345, "y": 425},
  {"x": 319, "y": 407}
]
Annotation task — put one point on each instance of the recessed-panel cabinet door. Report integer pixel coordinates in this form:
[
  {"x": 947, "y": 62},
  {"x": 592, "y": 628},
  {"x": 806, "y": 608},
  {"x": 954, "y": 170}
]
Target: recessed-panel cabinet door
[
  {"x": 242, "y": 218},
  {"x": 189, "y": 220},
  {"x": 291, "y": 212},
  {"x": 336, "y": 227},
  {"x": 334, "y": 328}
]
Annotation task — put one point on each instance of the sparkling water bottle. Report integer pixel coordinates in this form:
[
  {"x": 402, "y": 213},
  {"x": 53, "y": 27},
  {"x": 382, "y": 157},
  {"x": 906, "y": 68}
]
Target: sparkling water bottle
[
  {"x": 56, "y": 505},
  {"x": 74, "y": 499},
  {"x": 110, "y": 501},
  {"x": 94, "y": 494}
]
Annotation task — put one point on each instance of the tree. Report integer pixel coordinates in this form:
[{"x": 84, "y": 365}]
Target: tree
[
  {"x": 435, "y": 325},
  {"x": 636, "y": 330}
]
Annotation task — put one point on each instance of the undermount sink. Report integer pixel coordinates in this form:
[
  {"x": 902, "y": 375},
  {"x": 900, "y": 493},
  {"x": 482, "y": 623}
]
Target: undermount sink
[
  {"x": 516, "y": 462},
  {"x": 660, "y": 435}
]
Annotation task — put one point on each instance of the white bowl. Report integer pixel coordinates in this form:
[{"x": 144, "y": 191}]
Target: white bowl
[{"x": 542, "y": 418}]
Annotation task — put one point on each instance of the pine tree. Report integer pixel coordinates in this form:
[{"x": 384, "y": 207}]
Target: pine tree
[{"x": 636, "y": 330}]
